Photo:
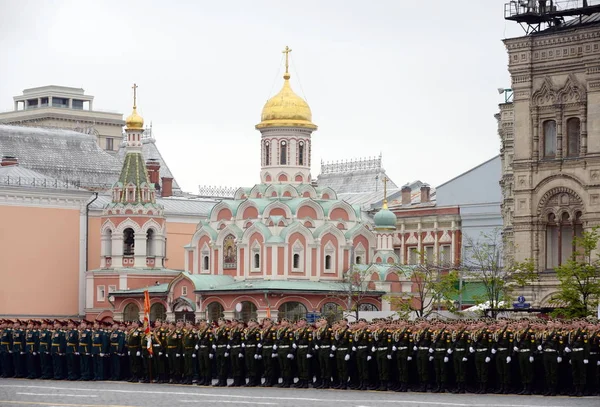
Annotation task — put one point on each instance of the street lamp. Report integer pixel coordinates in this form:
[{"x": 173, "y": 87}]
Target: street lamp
[{"x": 508, "y": 94}]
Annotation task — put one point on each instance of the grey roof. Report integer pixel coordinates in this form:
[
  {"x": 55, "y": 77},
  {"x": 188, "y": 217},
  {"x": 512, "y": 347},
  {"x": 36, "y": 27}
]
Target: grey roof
[
  {"x": 374, "y": 200},
  {"x": 172, "y": 205},
  {"x": 150, "y": 151},
  {"x": 62, "y": 154},
  {"x": 572, "y": 23},
  {"x": 15, "y": 175},
  {"x": 354, "y": 176}
]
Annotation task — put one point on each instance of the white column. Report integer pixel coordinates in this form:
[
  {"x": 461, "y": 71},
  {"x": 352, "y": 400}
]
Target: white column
[
  {"x": 49, "y": 101},
  {"x": 140, "y": 250},
  {"x": 89, "y": 291},
  {"x": 436, "y": 244},
  {"x": 453, "y": 245},
  {"x": 117, "y": 250},
  {"x": 16, "y": 105},
  {"x": 70, "y": 103},
  {"x": 420, "y": 241}
]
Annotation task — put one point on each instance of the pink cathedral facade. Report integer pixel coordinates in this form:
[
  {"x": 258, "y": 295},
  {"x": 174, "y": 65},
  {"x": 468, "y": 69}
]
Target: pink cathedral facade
[{"x": 280, "y": 248}]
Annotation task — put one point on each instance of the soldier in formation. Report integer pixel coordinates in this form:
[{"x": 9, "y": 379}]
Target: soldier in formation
[{"x": 527, "y": 356}]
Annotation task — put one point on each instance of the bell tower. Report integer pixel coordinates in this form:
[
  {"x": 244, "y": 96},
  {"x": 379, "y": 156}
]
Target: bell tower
[{"x": 286, "y": 127}]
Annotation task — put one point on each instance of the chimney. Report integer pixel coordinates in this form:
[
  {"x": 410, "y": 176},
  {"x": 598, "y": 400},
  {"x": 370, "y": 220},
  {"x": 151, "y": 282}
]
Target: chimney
[
  {"x": 167, "y": 187},
  {"x": 153, "y": 167},
  {"x": 425, "y": 193},
  {"x": 406, "y": 191},
  {"x": 9, "y": 160}
]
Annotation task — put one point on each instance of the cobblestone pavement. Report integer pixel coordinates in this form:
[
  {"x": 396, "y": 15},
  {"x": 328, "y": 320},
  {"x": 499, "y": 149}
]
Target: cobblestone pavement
[{"x": 20, "y": 392}]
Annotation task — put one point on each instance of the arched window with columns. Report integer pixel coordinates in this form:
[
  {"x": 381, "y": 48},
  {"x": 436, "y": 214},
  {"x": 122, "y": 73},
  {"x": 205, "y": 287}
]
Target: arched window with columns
[
  {"x": 128, "y": 242},
  {"x": 549, "y": 132},
  {"x": 561, "y": 212},
  {"x": 573, "y": 136},
  {"x": 283, "y": 153},
  {"x": 267, "y": 153},
  {"x": 301, "y": 153}
]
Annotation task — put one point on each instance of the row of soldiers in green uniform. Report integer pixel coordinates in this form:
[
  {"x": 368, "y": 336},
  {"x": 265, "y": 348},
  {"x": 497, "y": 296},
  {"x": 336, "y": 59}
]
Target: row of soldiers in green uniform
[{"x": 459, "y": 356}]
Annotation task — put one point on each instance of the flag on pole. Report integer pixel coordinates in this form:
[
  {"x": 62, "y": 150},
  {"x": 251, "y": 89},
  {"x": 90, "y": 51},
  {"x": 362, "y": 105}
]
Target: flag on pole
[{"x": 147, "y": 334}]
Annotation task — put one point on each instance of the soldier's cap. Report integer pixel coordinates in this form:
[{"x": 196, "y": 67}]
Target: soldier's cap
[
  {"x": 303, "y": 319},
  {"x": 253, "y": 320},
  {"x": 285, "y": 320},
  {"x": 361, "y": 320},
  {"x": 202, "y": 320},
  {"x": 267, "y": 319},
  {"x": 322, "y": 319},
  {"x": 37, "y": 323}
]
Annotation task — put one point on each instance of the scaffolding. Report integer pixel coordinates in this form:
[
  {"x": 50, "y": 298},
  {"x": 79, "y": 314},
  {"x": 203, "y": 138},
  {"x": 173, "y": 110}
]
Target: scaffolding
[{"x": 536, "y": 15}]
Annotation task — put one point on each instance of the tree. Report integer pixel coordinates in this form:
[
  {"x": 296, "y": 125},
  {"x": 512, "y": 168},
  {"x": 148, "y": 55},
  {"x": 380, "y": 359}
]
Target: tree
[
  {"x": 482, "y": 262},
  {"x": 579, "y": 287},
  {"x": 354, "y": 288},
  {"x": 432, "y": 287}
]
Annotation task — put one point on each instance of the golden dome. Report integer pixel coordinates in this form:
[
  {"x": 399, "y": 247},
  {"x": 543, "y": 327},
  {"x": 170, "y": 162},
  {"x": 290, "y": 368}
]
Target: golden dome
[
  {"x": 135, "y": 121},
  {"x": 286, "y": 109}
]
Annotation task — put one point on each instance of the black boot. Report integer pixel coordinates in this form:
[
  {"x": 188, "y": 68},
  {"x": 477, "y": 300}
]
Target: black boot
[
  {"x": 382, "y": 386},
  {"x": 500, "y": 389},
  {"x": 326, "y": 384}
]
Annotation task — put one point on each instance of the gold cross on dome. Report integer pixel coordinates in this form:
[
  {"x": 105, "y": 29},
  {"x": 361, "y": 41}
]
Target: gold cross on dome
[
  {"x": 287, "y": 51},
  {"x": 134, "y": 87}
]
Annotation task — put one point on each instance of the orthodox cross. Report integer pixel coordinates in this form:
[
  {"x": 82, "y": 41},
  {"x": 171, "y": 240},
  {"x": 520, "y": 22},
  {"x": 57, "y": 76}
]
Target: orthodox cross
[
  {"x": 134, "y": 87},
  {"x": 287, "y": 51}
]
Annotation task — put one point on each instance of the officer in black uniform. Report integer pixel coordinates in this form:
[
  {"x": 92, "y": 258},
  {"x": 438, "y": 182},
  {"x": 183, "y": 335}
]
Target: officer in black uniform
[
  {"x": 285, "y": 352},
  {"x": 205, "y": 353},
  {"x": 323, "y": 340},
  {"x": 117, "y": 350},
  {"x": 59, "y": 345},
  {"x": 236, "y": 339},
  {"x": 304, "y": 352},
  {"x": 44, "y": 350},
  {"x": 252, "y": 337},
  {"x": 269, "y": 355},
  {"x": 85, "y": 351},
  {"x": 222, "y": 353},
  {"x": 32, "y": 345}
]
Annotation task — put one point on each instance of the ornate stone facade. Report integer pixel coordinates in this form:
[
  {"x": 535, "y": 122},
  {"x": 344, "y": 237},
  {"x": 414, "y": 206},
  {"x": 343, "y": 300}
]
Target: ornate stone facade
[{"x": 550, "y": 150}]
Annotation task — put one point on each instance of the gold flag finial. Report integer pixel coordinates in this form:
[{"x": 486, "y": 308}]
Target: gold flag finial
[
  {"x": 287, "y": 51},
  {"x": 385, "y": 181},
  {"x": 134, "y": 87}
]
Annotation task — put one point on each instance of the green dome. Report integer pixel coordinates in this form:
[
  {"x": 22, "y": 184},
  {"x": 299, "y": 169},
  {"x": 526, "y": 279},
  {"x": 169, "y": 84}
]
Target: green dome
[{"x": 385, "y": 219}]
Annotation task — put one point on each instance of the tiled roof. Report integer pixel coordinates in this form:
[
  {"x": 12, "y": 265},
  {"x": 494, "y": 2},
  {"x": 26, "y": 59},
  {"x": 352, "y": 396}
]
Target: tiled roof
[
  {"x": 15, "y": 175},
  {"x": 374, "y": 200},
  {"x": 62, "y": 154}
]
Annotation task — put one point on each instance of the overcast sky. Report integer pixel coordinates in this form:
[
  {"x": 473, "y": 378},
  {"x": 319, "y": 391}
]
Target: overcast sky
[{"x": 413, "y": 80}]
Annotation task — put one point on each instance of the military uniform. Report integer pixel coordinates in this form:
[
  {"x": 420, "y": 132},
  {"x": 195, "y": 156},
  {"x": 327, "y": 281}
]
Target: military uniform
[
  {"x": 323, "y": 340},
  {"x": 100, "y": 350},
  {"x": 44, "y": 349},
  {"x": 343, "y": 347},
  {"x": 71, "y": 354},
  {"x": 252, "y": 338},
  {"x": 222, "y": 354},
  {"x": 117, "y": 350},
  {"x": 382, "y": 349},
  {"x": 205, "y": 355},
  {"x": 525, "y": 348},
  {"x": 236, "y": 336},
  {"x": 441, "y": 343},
  {"x": 304, "y": 352},
  {"x": 59, "y": 345},
  {"x": 482, "y": 343},
  {"x": 161, "y": 362},
  {"x": 461, "y": 342},
  {"x": 285, "y": 352},
  {"x": 32, "y": 345},
  {"x": 363, "y": 342},
  {"x": 503, "y": 349},
  {"x": 423, "y": 340},
  {"x": 402, "y": 340},
  {"x": 551, "y": 354},
  {"x": 18, "y": 351},
  {"x": 85, "y": 354},
  {"x": 580, "y": 355},
  {"x": 269, "y": 356},
  {"x": 190, "y": 341},
  {"x": 6, "y": 352},
  {"x": 134, "y": 351}
]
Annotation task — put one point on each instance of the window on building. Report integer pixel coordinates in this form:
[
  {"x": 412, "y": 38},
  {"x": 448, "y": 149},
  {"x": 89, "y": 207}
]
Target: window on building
[
  {"x": 292, "y": 311},
  {"x": 429, "y": 255},
  {"x": 358, "y": 259},
  {"x": 560, "y": 234},
  {"x": 248, "y": 311},
  {"x": 184, "y": 291},
  {"x": 108, "y": 243},
  {"x": 413, "y": 255},
  {"x": 267, "y": 153},
  {"x": 367, "y": 307},
  {"x": 549, "y": 131},
  {"x": 131, "y": 313},
  {"x": 150, "y": 243},
  {"x": 158, "y": 312},
  {"x": 101, "y": 293},
  {"x": 328, "y": 262},
  {"x": 301, "y": 153},
  {"x": 128, "y": 242},
  {"x": 573, "y": 136},
  {"x": 110, "y": 144},
  {"x": 205, "y": 263},
  {"x": 445, "y": 255},
  {"x": 283, "y": 153},
  {"x": 296, "y": 261},
  {"x": 256, "y": 261},
  {"x": 214, "y": 311},
  {"x": 112, "y": 288}
]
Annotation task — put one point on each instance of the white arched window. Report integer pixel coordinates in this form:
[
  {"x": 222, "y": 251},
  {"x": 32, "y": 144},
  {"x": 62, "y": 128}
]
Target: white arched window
[
  {"x": 301, "y": 153},
  {"x": 267, "y": 153},
  {"x": 283, "y": 153},
  {"x": 150, "y": 243},
  {"x": 128, "y": 242},
  {"x": 549, "y": 128}
]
